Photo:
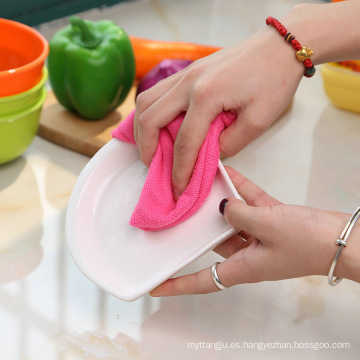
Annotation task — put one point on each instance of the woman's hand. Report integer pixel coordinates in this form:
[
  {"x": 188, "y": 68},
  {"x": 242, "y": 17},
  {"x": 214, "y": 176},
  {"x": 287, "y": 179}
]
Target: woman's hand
[
  {"x": 282, "y": 242},
  {"x": 255, "y": 79}
]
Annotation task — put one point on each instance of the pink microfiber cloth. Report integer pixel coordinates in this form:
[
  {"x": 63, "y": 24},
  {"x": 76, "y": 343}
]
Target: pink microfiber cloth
[{"x": 157, "y": 209}]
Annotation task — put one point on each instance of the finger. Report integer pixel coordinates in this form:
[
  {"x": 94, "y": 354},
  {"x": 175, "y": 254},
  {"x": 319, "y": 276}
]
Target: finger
[
  {"x": 148, "y": 97},
  {"x": 200, "y": 282},
  {"x": 152, "y": 119},
  {"x": 258, "y": 221},
  {"x": 188, "y": 142},
  {"x": 251, "y": 193},
  {"x": 235, "y": 270},
  {"x": 233, "y": 245}
]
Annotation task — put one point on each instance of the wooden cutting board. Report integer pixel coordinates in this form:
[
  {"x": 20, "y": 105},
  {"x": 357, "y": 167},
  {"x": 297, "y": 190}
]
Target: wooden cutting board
[{"x": 73, "y": 132}]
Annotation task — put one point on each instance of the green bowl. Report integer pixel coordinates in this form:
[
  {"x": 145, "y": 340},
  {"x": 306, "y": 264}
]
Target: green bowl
[
  {"x": 10, "y": 105},
  {"x": 18, "y": 131}
]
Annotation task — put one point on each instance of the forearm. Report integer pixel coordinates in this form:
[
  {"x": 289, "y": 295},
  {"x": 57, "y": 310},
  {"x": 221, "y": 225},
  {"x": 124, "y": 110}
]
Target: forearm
[{"x": 332, "y": 30}]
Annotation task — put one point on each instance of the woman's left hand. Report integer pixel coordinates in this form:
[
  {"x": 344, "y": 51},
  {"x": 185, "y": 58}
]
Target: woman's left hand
[{"x": 282, "y": 242}]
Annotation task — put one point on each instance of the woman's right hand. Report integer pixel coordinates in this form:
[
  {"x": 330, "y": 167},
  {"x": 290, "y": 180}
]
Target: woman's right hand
[{"x": 255, "y": 79}]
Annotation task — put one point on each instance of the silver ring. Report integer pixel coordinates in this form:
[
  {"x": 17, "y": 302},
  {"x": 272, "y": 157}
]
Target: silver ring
[{"x": 216, "y": 277}]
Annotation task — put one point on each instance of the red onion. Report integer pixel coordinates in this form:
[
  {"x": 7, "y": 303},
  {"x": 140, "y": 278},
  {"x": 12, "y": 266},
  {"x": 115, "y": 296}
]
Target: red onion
[{"x": 166, "y": 68}]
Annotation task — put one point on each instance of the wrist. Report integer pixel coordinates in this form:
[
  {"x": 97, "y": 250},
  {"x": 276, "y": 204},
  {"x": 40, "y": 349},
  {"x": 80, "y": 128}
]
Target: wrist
[
  {"x": 302, "y": 53},
  {"x": 285, "y": 55},
  {"x": 330, "y": 30}
]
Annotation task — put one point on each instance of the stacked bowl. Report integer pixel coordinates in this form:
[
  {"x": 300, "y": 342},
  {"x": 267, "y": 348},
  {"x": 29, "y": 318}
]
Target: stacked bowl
[
  {"x": 342, "y": 85},
  {"x": 23, "y": 51}
]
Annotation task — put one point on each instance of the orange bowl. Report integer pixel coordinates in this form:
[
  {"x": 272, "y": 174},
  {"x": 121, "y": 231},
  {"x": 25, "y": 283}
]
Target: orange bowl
[{"x": 23, "y": 52}]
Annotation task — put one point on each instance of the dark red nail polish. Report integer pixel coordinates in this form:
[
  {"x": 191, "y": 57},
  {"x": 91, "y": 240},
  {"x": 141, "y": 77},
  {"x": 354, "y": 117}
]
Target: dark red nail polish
[{"x": 222, "y": 205}]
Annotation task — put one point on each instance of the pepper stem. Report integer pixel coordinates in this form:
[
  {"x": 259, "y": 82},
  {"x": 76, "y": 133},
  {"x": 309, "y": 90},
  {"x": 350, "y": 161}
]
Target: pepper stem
[{"x": 88, "y": 38}]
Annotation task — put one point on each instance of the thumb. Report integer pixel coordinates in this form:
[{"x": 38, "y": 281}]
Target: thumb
[
  {"x": 253, "y": 220},
  {"x": 250, "y": 264}
]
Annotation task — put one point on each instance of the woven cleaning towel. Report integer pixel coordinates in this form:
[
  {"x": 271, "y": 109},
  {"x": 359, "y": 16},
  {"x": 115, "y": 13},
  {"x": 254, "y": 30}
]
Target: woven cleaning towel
[{"x": 156, "y": 208}]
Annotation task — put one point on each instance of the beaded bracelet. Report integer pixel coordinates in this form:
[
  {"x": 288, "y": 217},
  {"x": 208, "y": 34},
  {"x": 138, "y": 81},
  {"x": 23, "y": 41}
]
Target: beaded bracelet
[
  {"x": 302, "y": 53},
  {"x": 341, "y": 241}
]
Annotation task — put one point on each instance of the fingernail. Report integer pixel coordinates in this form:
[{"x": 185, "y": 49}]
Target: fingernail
[
  {"x": 176, "y": 194},
  {"x": 222, "y": 205}
]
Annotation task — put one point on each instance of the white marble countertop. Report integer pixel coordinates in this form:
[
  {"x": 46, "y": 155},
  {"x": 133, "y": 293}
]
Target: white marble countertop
[{"x": 49, "y": 310}]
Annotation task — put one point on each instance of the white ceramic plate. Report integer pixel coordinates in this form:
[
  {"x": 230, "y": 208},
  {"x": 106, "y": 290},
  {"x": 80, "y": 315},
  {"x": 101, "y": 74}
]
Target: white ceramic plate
[{"x": 123, "y": 260}]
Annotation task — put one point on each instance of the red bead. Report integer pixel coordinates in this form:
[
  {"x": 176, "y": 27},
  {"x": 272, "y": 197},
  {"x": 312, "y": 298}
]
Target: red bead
[{"x": 309, "y": 67}]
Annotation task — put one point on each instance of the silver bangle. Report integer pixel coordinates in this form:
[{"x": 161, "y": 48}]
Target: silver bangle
[{"x": 341, "y": 241}]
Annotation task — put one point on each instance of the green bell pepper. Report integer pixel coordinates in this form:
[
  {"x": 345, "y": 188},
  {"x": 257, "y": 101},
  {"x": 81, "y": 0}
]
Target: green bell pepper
[{"x": 91, "y": 67}]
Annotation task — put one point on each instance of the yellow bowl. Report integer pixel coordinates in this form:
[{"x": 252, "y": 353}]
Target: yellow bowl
[
  {"x": 17, "y": 131},
  {"x": 342, "y": 86},
  {"x": 17, "y": 103}
]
